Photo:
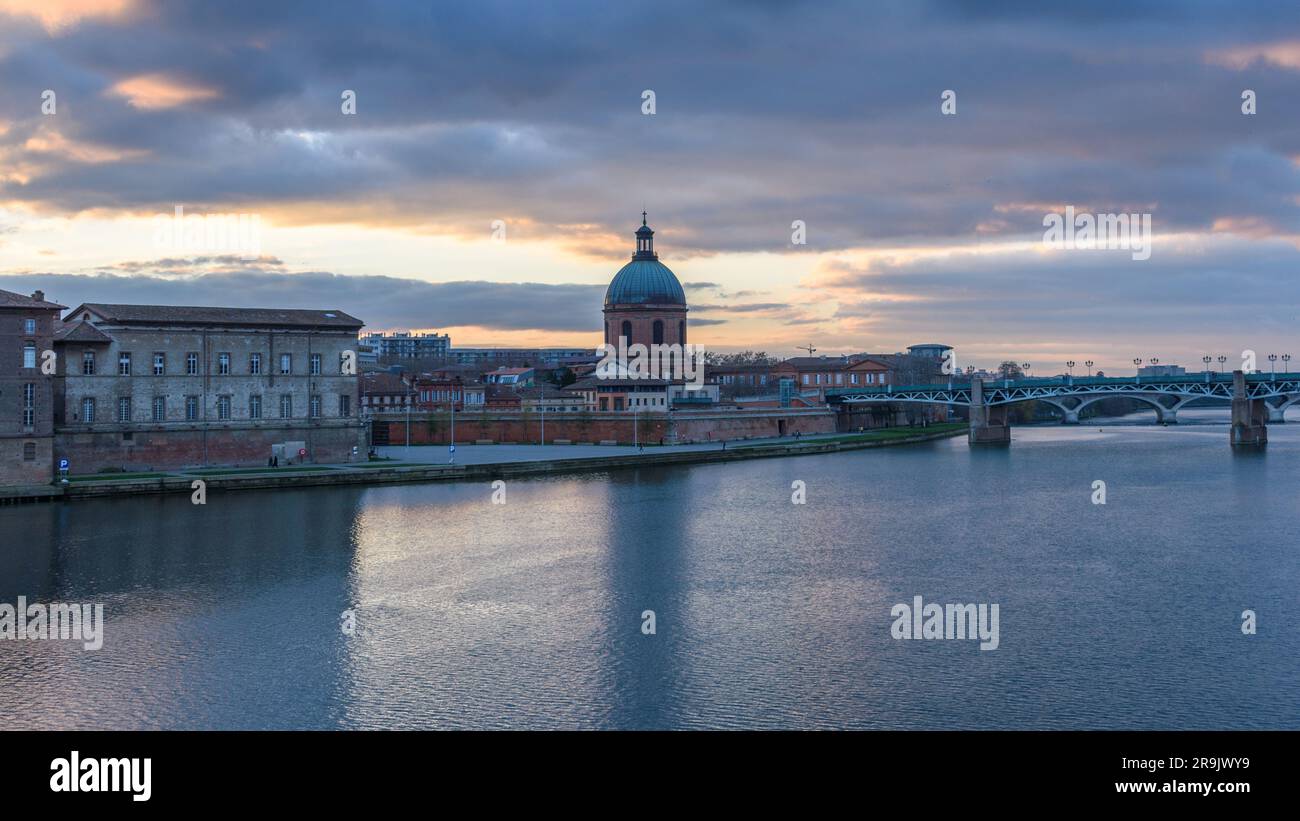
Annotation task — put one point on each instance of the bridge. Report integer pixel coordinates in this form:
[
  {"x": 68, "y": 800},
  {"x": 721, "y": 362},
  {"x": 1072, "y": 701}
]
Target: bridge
[{"x": 1257, "y": 399}]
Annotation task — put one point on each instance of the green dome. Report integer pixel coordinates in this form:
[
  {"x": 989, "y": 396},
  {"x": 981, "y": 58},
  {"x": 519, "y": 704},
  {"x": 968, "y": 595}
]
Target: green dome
[{"x": 645, "y": 280}]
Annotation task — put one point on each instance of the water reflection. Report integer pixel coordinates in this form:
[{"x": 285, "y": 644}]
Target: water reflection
[{"x": 768, "y": 613}]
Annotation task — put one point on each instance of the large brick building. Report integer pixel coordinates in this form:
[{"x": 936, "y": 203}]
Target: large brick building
[
  {"x": 27, "y": 326},
  {"x": 150, "y": 386}
]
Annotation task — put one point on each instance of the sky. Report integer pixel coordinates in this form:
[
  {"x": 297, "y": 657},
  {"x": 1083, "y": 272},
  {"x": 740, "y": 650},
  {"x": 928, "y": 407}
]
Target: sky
[{"x": 500, "y": 154}]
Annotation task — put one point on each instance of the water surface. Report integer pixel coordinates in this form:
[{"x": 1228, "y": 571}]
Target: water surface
[{"x": 769, "y": 614}]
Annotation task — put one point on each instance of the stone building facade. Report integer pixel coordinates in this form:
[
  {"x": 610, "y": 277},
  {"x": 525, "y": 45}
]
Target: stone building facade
[
  {"x": 27, "y": 326},
  {"x": 144, "y": 387}
]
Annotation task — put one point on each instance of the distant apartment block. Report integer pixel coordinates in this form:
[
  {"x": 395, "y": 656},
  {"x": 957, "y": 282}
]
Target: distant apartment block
[
  {"x": 535, "y": 357},
  {"x": 406, "y": 345},
  {"x": 1162, "y": 370}
]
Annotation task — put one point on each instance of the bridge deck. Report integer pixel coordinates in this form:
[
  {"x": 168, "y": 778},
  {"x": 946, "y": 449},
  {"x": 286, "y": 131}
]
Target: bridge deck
[{"x": 1007, "y": 391}]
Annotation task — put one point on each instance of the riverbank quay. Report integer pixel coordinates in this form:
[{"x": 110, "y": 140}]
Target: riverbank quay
[{"x": 391, "y": 471}]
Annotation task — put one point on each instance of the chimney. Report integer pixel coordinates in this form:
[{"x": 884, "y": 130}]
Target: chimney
[{"x": 39, "y": 296}]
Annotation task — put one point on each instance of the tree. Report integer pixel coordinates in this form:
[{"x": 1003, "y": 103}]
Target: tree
[
  {"x": 742, "y": 358},
  {"x": 1010, "y": 370}
]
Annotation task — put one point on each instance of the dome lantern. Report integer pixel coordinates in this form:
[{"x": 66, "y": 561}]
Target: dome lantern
[{"x": 645, "y": 241}]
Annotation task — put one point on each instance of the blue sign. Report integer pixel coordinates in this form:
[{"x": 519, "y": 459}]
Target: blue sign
[
  {"x": 451, "y": 448},
  {"x": 63, "y": 464}
]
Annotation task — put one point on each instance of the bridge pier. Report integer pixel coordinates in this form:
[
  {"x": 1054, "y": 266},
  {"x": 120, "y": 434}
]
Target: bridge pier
[
  {"x": 1249, "y": 416},
  {"x": 988, "y": 426},
  {"x": 1071, "y": 418}
]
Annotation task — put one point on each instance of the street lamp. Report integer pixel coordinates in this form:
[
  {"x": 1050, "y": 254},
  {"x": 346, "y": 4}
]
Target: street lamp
[
  {"x": 1137, "y": 364},
  {"x": 1272, "y": 368},
  {"x": 1222, "y": 359},
  {"x": 1024, "y": 369},
  {"x": 1089, "y": 363},
  {"x": 1206, "y": 360},
  {"x": 1069, "y": 366},
  {"x": 408, "y": 424},
  {"x": 451, "y": 446},
  {"x": 1286, "y": 362}
]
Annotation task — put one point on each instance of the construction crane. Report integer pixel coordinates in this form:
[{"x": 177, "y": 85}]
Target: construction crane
[{"x": 809, "y": 348}]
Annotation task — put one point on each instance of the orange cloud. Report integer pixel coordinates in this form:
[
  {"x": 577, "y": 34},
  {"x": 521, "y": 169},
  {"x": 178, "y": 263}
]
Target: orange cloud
[
  {"x": 52, "y": 142},
  {"x": 1284, "y": 54},
  {"x": 154, "y": 91},
  {"x": 59, "y": 14}
]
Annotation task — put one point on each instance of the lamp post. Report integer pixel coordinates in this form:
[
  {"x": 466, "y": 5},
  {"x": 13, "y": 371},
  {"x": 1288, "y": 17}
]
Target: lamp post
[
  {"x": 1206, "y": 360},
  {"x": 1137, "y": 363},
  {"x": 1024, "y": 369},
  {"x": 1069, "y": 368},
  {"x": 1272, "y": 368},
  {"x": 1286, "y": 362},
  {"x": 1222, "y": 359},
  {"x": 408, "y": 425},
  {"x": 451, "y": 446},
  {"x": 1089, "y": 363}
]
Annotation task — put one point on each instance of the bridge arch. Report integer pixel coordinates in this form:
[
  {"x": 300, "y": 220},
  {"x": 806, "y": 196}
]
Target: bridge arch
[
  {"x": 1163, "y": 413},
  {"x": 1277, "y": 413}
]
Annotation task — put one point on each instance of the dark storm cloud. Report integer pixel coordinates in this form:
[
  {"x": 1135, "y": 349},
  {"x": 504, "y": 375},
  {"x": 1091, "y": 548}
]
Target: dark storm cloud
[
  {"x": 1231, "y": 288},
  {"x": 382, "y": 302},
  {"x": 766, "y": 113}
]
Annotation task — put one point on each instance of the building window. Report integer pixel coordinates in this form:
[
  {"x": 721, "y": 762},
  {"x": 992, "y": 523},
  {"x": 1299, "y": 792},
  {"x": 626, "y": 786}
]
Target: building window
[
  {"x": 29, "y": 405},
  {"x": 159, "y": 408},
  {"x": 315, "y": 406},
  {"x": 255, "y": 364},
  {"x": 254, "y": 407},
  {"x": 223, "y": 364},
  {"x": 159, "y": 363},
  {"x": 29, "y": 355},
  {"x": 88, "y": 409},
  {"x": 853, "y": 379},
  {"x": 315, "y": 364},
  {"x": 345, "y": 405},
  {"x": 29, "y": 326},
  {"x": 805, "y": 379},
  {"x": 286, "y": 363},
  {"x": 286, "y": 406},
  {"x": 627, "y": 331},
  {"x": 124, "y": 363},
  {"x": 223, "y": 408},
  {"x": 191, "y": 408},
  {"x": 88, "y": 363},
  {"x": 124, "y": 409},
  {"x": 29, "y": 451},
  {"x": 658, "y": 332}
]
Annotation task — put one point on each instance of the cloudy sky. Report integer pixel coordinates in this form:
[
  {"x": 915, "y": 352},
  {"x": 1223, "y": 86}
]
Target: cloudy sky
[{"x": 499, "y": 158}]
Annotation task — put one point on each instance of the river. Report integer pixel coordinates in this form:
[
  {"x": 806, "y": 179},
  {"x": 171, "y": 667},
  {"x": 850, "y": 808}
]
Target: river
[{"x": 767, "y": 614}]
